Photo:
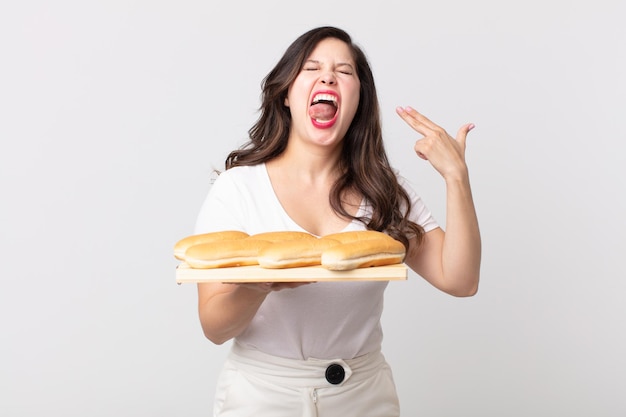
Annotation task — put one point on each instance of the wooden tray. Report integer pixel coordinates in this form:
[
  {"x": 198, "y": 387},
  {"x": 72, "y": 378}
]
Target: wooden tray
[{"x": 186, "y": 274}]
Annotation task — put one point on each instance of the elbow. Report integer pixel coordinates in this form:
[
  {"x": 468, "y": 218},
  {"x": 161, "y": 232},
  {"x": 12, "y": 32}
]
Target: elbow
[
  {"x": 468, "y": 289},
  {"x": 216, "y": 340},
  {"x": 216, "y": 337},
  {"x": 469, "y": 292}
]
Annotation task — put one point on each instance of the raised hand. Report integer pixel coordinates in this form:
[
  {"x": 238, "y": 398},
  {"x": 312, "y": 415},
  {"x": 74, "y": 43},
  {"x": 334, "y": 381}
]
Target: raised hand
[{"x": 445, "y": 153}]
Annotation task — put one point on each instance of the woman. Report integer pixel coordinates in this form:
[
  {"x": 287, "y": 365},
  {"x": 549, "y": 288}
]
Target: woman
[{"x": 316, "y": 162}]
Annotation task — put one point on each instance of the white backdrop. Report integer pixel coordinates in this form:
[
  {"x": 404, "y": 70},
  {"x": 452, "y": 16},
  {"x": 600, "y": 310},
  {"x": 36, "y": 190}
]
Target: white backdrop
[{"x": 113, "y": 113}]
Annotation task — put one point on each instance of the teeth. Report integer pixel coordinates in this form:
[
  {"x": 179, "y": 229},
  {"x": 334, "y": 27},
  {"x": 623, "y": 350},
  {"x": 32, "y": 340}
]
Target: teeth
[{"x": 325, "y": 97}]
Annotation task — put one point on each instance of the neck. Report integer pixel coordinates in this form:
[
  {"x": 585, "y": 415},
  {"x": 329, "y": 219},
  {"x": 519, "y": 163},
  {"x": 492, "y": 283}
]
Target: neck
[{"x": 312, "y": 165}]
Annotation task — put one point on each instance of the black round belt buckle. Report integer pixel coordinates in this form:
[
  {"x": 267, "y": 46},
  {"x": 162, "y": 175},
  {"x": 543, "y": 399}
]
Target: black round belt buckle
[{"x": 335, "y": 374}]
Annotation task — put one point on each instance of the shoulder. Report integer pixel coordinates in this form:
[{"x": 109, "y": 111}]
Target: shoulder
[
  {"x": 242, "y": 172},
  {"x": 406, "y": 185},
  {"x": 240, "y": 176},
  {"x": 231, "y": 197},
  {"x": 419, "y": 212}
]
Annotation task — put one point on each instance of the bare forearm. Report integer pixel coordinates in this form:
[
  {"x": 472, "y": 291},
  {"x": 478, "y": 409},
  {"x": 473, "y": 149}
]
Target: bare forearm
[
  {"x": 461, "y": 254},
  {"x": 450, "y": 260},
  {"x": 225, "y": 315}
]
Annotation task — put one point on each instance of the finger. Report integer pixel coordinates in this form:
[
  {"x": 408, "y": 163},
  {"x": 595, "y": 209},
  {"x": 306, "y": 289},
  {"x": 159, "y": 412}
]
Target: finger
[
  {"x": 421, "y": 155},
  {"x": 287, "y": 285},
  {"x": 266, "y": 286},
  {"x": 461, "y": 135},
  {"x": 419, "y": 117},
  {"x": 414, "y": 119},
  {"x": 421, "y": 149}
]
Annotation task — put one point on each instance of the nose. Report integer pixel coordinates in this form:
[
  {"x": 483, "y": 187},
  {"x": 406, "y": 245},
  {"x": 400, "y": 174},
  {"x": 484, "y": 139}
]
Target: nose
[{"x": 328, "y": 78}]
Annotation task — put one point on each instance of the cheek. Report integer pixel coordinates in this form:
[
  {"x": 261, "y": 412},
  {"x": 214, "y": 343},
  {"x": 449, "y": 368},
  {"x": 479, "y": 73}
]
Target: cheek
[
  {"x": 354, "y": 103},
  {"x": 297, "y": 102},
  {"x": 288, "y": 97}
]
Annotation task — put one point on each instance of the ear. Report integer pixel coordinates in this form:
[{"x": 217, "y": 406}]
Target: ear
[{"x": 286, "y": 101}]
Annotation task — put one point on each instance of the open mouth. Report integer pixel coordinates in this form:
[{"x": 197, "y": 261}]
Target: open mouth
[{"x": 323, "y": 108}]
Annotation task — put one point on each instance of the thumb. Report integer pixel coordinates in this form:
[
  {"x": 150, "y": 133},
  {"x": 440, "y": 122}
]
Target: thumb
[{"x": 461, "y": 135}]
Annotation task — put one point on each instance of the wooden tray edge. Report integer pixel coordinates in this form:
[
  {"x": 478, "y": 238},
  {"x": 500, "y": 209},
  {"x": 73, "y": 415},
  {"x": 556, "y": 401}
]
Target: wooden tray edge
[{"x": 186, "y": 274}]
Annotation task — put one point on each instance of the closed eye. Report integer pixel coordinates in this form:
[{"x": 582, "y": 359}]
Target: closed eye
[
  {"x": 342, "y": 68},
  {"x": 345, "y": 69}
]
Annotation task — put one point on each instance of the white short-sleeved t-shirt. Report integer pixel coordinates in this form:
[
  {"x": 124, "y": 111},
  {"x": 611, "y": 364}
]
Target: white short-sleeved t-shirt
[{"x": 324, "y": 320}]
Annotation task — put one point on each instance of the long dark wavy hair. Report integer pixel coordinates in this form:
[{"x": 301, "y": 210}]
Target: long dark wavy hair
[{"x": 363, "y": 160}]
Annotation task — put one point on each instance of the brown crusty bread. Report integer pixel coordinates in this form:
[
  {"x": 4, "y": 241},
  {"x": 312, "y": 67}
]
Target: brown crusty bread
[
  {"x": 185, "y": 243},
  {"x": 363, "y": 253},
  {"x": 295, "y": 253},
  {"x": 357, "y": 235},
  {"x": 222, "y": 254},
  {"x": 281, "y": 236},
  {"x": 288, "y": 249}
]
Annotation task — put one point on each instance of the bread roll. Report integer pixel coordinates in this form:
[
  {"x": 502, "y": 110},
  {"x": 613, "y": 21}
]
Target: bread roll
[
  {"x": 295, "y": 253},
  {"x": 222, "y": 254},
  {"x": 182, "y": 245},
  {"x": 363, "y": 253},
  {"x": 281, "y": 236},
  {"x": 357, "y": 235}
]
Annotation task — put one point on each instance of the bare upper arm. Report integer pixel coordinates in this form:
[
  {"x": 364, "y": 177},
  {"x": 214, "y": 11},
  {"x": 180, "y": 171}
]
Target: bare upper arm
[{"x": 426, "y": 260}]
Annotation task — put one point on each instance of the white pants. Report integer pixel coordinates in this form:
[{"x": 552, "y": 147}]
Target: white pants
[{"x": 255, "y": 384}]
